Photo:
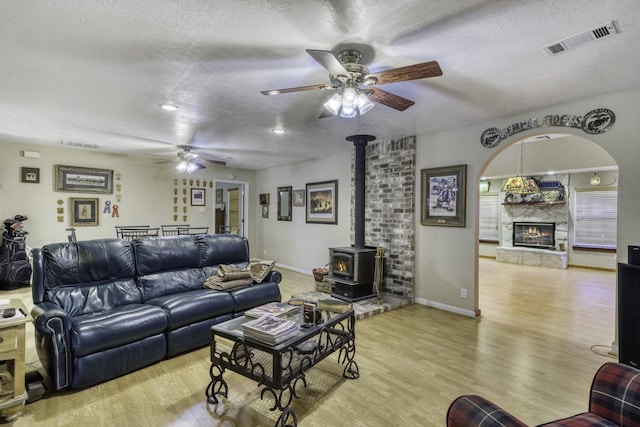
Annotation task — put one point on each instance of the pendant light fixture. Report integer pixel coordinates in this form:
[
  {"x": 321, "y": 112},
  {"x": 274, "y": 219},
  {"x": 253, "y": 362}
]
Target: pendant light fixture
[{"x": 520, "y": 184}]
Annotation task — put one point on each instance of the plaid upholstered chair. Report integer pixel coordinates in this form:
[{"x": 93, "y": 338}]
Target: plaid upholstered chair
[{"x": 614, "y": 401}]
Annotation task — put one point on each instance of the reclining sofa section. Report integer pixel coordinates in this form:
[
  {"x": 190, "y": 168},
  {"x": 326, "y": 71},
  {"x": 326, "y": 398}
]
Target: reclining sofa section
[{"x": 107, "y": 307}]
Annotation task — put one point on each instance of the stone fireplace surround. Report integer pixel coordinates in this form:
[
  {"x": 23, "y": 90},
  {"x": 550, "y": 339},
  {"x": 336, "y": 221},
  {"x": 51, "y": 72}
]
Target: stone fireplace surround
[{"x": 554, "y": 212}]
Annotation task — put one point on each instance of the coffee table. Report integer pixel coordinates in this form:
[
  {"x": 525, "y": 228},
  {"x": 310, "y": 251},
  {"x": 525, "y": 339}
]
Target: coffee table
[{"x": 280, "y": 368}]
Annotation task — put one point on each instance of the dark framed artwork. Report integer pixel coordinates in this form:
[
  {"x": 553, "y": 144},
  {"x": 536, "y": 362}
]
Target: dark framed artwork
[
  {"x": 219, "y": 195},
  {"x": 284, "y": 203},
  {"x": 298, "y": 197},
  {"x": 443, "y": 196},
  {"x": 198, "y": 197},
  {"x": 30, "y": 175},
  {"x": 84, "y": 211},
  {"x": 264, "y": 199},
  {"x": 84, "y": 180},
  {"x": 322, "y": 202}
]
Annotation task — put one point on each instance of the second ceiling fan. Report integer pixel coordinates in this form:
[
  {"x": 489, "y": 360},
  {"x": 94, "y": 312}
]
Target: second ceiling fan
[{"x": 355, "y": 87}]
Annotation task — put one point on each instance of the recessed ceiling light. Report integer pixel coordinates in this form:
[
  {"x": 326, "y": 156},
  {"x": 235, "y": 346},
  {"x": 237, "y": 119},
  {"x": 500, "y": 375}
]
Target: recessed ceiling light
[
  {"x": 169, "y": 107},
  {"x": 278, "y": 131}
]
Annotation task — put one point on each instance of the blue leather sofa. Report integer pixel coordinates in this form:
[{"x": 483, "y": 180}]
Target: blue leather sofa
[{"x": 107, "y": 307}]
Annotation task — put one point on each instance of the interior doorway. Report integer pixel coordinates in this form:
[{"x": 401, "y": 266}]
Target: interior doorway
[{"x": 231, "y": 205}]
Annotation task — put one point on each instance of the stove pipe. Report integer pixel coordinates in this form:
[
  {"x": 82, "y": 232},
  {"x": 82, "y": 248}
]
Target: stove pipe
[{"x": 360, "y": 142}]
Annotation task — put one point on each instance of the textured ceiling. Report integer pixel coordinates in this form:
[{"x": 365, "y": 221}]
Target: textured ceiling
[{"x": 95, "y": 72}]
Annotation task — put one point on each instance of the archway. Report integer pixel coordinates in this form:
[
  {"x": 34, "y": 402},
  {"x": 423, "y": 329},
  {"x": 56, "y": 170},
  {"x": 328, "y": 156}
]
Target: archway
[{"x": 571, "y": 159}]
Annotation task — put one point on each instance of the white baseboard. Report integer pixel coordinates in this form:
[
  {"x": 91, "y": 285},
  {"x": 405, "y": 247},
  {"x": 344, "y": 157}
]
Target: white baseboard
[
  {"x": 297, "y": 270},
  {"x": 445, "y": 307}
]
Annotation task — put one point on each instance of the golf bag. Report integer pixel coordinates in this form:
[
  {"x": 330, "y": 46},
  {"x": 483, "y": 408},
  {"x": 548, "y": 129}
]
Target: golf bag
[{"x": 15, "y": 268}]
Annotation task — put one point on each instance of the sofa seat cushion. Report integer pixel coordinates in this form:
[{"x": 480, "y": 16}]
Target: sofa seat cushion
[
  {"x": 586, "y": 419},
  {"x": 94, "y": 332},
  {"x": 193, "y": 306}
]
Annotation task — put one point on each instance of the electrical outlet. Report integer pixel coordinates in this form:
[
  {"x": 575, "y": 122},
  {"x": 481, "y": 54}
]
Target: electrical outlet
[{"x": 463, "y": 293}]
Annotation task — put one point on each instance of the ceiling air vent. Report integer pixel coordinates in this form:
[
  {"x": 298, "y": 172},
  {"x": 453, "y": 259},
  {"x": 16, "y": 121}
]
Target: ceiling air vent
[{"x": 600, "y": 32}]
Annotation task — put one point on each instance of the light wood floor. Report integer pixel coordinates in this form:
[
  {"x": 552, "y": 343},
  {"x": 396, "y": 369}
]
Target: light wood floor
[{"x": 532, "y": 352}]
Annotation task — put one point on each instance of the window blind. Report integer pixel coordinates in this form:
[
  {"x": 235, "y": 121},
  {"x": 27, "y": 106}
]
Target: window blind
[
  {"x": 489, "y": 217},
  {"x": 595, "y": 218}
]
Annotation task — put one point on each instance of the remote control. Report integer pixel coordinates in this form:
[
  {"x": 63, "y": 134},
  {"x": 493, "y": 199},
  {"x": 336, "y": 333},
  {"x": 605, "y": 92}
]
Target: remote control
[{"x": 8, "y": 312}]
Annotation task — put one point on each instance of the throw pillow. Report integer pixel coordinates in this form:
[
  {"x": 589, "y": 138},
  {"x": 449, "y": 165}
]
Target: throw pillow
[{"x": 260, "y": 269}]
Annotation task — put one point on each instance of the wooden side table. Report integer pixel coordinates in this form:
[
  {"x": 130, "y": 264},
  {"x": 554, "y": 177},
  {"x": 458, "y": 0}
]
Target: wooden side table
[{"x": 13, "y": 394}]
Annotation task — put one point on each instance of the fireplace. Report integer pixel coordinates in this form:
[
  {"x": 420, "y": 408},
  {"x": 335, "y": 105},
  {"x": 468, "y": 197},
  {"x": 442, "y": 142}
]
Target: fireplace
[
  {"x": 534, "y": 234},
  {"x": 353, "y": 268}
]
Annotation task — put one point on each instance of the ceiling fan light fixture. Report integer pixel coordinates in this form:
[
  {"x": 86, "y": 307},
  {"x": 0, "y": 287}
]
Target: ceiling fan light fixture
[
  {"x": 364, "y": 103},
  {"x": 182, "y": 165},
  {"x": 334, "y": 103}
]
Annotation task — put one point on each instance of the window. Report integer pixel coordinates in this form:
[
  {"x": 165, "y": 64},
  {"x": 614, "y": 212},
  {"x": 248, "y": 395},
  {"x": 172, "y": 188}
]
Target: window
[
  {"x": 595, "y": 218},
  {"x": 489, "y": 218}
]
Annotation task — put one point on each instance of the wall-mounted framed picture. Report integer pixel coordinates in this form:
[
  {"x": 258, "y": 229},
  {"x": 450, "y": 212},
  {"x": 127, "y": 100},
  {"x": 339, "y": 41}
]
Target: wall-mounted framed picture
[
  {"x": 84, "y": 180},
  {"x": 322, "y": 202},
  {"x": 443, "y": 196},
  {"x": 484, "y": 186},
  {"x": 264, "y": 199},
  {"x": 198, "y": 196},
  {"x": 219, "y": 195},
  {"x": 83, "y": 211},
  {"x": 30, "y": 175},
  {"x": 298, "y": 197}
]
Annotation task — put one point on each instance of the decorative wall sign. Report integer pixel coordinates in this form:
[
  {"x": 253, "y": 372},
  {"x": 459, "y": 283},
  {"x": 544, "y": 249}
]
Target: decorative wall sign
[
  {"x": 85, "y": 180},
  {"x": 443, "y": 196},
  {"x": 322, "y": 202},
  {"x": 84, "y": 211},
  {"x": 595, "y": 122},
  {"x": 30, "y": 175}
]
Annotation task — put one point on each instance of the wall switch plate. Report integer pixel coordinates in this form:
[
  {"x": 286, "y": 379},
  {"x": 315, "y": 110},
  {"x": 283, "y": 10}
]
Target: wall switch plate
[{"x": 463, "y": 293}]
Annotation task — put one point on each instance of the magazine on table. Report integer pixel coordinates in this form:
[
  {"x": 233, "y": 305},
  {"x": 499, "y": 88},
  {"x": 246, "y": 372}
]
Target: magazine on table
[
  {"x": 270, "y": 329},
  {"x": 272, "y": 308}
]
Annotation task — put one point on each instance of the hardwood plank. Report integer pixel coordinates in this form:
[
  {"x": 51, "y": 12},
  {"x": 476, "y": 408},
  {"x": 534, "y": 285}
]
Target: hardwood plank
[{"x": 530, "y": 353}]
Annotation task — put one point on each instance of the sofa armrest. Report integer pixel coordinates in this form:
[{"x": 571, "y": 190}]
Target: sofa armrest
[
  {"x": 273, "y": 277},
  {"x": 615, "y": 393},
  {"x": 52, "y": 326},
  {"x": 472, "y": 410}
]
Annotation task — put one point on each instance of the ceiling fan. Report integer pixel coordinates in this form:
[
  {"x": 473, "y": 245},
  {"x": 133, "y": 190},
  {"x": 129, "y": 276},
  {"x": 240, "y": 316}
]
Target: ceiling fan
[
  {"x": 355, "y": 87},
  {"x": 189, "y": 161}
]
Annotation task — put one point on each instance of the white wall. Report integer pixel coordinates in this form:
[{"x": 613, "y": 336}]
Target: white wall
[
  {"x": 447, "y": 257},
  {"x": 147, "y": 192},
  {"x": 296, "y": 244}
]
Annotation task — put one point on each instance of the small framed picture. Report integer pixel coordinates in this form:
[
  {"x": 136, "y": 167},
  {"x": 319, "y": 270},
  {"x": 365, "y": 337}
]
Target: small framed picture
[
  {"x": 30, "y": 175},
  {"x": 264, "y": 199},
  {"x": 198, "y": 197},
  {"x": 219, "y": 195},
  {"x": 298, "y": 197},
  {"x": 84, "y": 211}
]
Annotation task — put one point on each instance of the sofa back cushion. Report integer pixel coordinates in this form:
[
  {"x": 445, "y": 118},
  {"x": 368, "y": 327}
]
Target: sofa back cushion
[
  {"x": 217, "y": 249},
  {"x": 89, "y": 276},
  {"x": 615, "y": 394},
  {"x": 167, "y": 265}
]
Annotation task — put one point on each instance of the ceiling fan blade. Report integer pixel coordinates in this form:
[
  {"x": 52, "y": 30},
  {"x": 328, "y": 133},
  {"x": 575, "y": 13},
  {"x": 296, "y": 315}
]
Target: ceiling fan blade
[
  {"x": 213, "y": 162},
  {"x": 410, "y": 72},
  {"x": 297, "y": 89},
  {"x": 328, "y": 61},
  {"x": 389, "y": 99},
  {"x": 325, "y": 113}
]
